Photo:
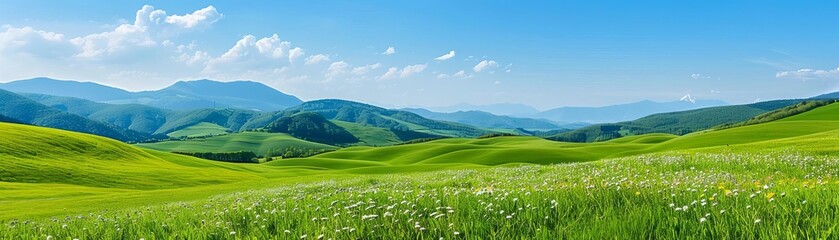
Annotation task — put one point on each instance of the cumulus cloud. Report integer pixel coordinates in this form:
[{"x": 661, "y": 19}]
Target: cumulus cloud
[
  {"x": 391, "y": 73},
  {"x": 446, "y": 56},
  {"x": 202, "y": 17},
  {"x": 315, "y": 59},
  {"x": 484, "y": 65},
  {"x": 407, "y": 71},
  {"x": 295, "y": 53},
  {"x": 389, "y": 51},
  {"x": 366, "y": 68},
  {"x": 460, "y": 74},
  {"x": 149, "y": 26},
  {"x": 808, "y": 74},
  {"x": 250, "y": 52},
  {"x": 197, "y": 57},
  {"x": 337, "y": 68},
  {"x": 35, "y": 43}
]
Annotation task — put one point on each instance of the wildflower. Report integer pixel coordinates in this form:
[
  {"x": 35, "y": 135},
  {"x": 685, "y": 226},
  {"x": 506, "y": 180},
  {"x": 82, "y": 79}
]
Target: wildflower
[
  {"x": 233, "y": 233},
  {"x": 757, "y": 221},
  {"x": 456, "y": 233},
  {"x": 702, "y": 220}
]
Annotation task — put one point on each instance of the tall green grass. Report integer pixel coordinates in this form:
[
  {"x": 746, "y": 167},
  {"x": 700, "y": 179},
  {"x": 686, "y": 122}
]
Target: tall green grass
[{"x": 719, "y": 195}]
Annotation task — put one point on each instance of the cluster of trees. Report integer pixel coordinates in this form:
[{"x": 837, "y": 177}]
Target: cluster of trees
[
  {"x": 312, "y": 127},
  {"x": 492, "y": 135},
  {"x": 294, "y": 152},
  {"x": 237, "y": 157}
]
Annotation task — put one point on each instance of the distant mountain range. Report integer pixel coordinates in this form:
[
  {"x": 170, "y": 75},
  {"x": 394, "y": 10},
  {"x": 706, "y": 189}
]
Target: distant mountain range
[
  {"x": 623, "y": 112},
  {"x": 183, "y": 95},
  {"x": 569, "y": 117},
  {"x": 502, "y": 109},
  {"x": 485, "y": 119}
]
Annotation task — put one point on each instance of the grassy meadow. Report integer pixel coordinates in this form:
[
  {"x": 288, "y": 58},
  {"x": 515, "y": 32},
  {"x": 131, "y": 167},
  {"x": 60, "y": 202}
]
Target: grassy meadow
[{"x": 775, "y": 180}]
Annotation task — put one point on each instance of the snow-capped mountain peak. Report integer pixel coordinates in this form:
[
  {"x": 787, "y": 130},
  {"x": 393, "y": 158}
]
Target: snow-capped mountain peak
[{"x": 688, "y": 98}]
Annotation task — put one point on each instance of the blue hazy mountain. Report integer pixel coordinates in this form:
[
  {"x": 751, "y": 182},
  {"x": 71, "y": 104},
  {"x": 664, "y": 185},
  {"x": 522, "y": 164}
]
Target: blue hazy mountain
[
  {"x": 503, "y": 109},
  {"x": 624, "y": 112},
  {"x": 485, "y": 119},
  {"x": 183, "y": 95}
]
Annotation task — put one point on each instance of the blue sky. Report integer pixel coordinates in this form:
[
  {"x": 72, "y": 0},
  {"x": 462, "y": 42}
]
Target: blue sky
[{"x": 542, "y": 53}]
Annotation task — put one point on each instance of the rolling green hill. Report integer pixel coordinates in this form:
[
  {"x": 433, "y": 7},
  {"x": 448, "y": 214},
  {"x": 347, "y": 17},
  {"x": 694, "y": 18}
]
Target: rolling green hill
[
  {"x": 152, "y": 120},
  {"x": 43, "y": 171},
  {"x": 33, "y": 154},
  {"x": 27, "y": 111},
  {"x": 261, "y": 143},
  {"x": 312, "y": 127},
  {"x": 785, "y": 112},
  {"x": 369, "y": 115},
  {"x": 135, "y": 117},
  {"x": 232, "y": 119},
  {"x": 678, "y": 123}
]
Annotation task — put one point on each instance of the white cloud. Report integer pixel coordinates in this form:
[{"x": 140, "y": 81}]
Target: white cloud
[
  {"x": 483, "y": 65},
  {"x": 446, "y": 56},
  {"x": 698, "y": 76},
  {"x": 149, "y": 27},
  {"x": 336, "y": 68},
  {"x": 34, "y": 43},
  {"x": 251, "y": 53},
  {"x": 315, "y": 59},
  {"x": 389, "y": 51},
  {"x": 366, "y": 68},
  {"x": 202, "y": 17},
  {"x": 407, "y": 71},
  {"x": 462, "y": 74},
  {"x": 390, "y": 74},
  {"x": 295, "y": 53},
  {"x": 808, "y": 74},
  {"x": 197, "y": 57}
]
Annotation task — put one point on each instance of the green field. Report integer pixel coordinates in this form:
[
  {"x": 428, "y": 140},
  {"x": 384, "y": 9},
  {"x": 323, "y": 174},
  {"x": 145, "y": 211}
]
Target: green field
[
  {"x": 199, "y": 130},
  {"x": 257, "y": 142},
  {"x": 771, "y": 180}
]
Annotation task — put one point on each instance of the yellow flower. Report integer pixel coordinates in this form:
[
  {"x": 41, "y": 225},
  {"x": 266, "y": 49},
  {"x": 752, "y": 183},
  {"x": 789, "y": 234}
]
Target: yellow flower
[
  {"x": 637, "y": 193},
  {"x": 728, "y": 192},
  {"x": 770, "y": 195}
]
